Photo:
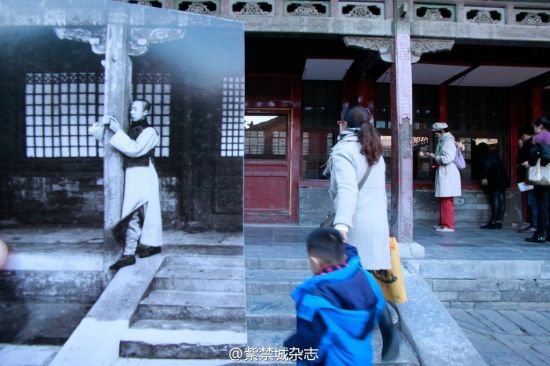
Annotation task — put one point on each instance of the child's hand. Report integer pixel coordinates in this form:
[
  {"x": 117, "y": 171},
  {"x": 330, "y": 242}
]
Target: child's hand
[{"x": 344, "y": 235}]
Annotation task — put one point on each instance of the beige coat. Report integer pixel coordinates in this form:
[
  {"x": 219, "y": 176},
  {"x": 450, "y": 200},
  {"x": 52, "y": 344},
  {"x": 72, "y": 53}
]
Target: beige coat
[
  {"x": 365, "y": 211},
  {"x": 447, "y": 176}
]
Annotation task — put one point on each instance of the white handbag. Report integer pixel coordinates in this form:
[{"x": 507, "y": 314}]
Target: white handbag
[{"x": 539, "y": 175}]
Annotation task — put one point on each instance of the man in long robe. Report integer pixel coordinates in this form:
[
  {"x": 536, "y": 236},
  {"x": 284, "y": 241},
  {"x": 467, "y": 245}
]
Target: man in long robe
[{"x": 141, "y": 225}]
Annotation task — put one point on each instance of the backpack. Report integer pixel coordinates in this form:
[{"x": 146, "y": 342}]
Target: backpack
[{"x": 459, "y": 159}]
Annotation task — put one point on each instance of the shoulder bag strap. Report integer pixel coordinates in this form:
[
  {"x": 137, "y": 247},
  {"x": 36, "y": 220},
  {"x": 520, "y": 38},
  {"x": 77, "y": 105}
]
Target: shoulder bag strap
[{"x": 364, "y": 179}]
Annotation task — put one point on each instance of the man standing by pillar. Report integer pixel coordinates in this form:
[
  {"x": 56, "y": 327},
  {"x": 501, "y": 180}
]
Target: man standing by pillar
[{"x": 140, "y": 228}]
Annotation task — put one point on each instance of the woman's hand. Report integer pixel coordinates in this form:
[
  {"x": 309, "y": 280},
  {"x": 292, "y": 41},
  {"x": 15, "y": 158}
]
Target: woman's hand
[{"x": 484, "y": 182}]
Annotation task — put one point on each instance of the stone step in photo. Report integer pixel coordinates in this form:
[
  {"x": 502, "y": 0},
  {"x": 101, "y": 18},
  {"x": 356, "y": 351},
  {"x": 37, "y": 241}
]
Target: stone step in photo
[
  {"x": 189, "y": 325},
  {"x": 199, "y": 285},
  {"x": 180, "y": 344},
  {"x": 202, "y": 272},
  {"x": 183, "y": 305},
  {"x": 205, "y": 261}
]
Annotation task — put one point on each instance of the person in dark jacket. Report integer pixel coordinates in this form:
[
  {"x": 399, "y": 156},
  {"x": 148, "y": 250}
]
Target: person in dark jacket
[
  {"x": 338, "y": 307},
  {"x": 494, "y": 181},
  {"x": 541, "y": 151},
  {"x": 525, "y": 143}
]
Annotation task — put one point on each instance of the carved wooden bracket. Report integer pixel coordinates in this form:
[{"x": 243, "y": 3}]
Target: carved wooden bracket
[
  {"x": 419, "y": 46},
  {"x": 140, "y": 38}
]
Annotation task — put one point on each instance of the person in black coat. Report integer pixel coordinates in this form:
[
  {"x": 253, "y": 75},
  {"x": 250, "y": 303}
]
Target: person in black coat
[
  {"x": 494, "y": 181},
  {"x": 525, "y": 144}
]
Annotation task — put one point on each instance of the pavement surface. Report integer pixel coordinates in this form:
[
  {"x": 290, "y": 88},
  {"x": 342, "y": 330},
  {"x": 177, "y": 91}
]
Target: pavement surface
[{"x": 503, "y": 337}]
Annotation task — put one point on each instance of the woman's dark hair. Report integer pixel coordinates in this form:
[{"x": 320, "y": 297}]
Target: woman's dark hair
[
  {"x": 544, "y": 121},
  {"x": 371, "y": 145},
  {"x": 482, "y": 148},
  {"x": 527, "y": 130}
]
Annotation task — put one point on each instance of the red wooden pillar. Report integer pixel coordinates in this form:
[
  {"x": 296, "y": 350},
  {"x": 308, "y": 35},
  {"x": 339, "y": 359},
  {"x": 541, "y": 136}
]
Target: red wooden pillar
[
  {"x": 295, "y": 148},
  {"x": 515, "y": 100},
  {"x": 365, "y": 93},
  {"x": 402, "y": 127}
]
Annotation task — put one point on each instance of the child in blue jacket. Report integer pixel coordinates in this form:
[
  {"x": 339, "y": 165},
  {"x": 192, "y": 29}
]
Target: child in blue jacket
[{"x": 338, "y": 307}]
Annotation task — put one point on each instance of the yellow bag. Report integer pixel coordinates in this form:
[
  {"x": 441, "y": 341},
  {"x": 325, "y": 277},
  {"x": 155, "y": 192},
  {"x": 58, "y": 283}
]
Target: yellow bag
[{"x": 391, "y": 281}]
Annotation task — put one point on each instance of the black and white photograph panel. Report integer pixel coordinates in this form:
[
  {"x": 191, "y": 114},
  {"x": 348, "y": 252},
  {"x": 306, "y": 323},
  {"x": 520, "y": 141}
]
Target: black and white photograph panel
[{"x": 121, "y": 215}]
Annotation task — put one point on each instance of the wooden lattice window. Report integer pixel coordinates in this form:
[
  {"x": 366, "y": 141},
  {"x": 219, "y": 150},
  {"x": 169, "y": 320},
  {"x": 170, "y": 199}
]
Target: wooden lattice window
[{"x": 59, "y": 108}]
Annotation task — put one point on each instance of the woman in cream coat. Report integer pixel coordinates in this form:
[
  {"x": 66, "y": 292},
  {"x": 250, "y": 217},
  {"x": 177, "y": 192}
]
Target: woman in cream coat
[
  {"x": 361, "y": 215},
  {"x": 447, "y": 176}
]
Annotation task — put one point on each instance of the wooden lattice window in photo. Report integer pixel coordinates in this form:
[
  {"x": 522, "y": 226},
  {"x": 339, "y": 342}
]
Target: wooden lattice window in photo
[
  {"x": 59, "y": 108},
  {"x": 232, "y": 143}
]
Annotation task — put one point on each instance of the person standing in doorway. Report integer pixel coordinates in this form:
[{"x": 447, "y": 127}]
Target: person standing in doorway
[
  {"x": 494, "y": 181},
  {"x": 447, "y": 176},
  {"x": 141, "y": 225},
  {"x": 525, "y": 143},
  {"x": 540, "y": 152}
]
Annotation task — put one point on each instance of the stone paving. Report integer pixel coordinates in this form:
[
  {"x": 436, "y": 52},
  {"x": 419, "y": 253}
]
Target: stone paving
[{"x": 502, "y": 337}]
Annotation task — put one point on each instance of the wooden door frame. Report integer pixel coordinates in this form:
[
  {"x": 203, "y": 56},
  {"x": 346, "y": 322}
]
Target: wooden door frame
[{"x": 291, "y": 178}]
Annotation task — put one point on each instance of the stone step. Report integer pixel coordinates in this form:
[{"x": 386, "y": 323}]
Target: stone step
[
  {"x": 202, "y": 272},
  {"x": 204, "y": 249},
  {"x": 189, "y": 325},
  {"x": 205, "y": 261},
  {"x": 270, "y": 305},
  {"x": 268, "y": 263},
  {"x": 267, "y": 288},
  {"x": 183, "y": 284},
  {"x": 180, "y": 344},
  {"x": 274, "y": 322},
  {"x": 297, "y": 275},
  {"x": 185, "y": 305}
]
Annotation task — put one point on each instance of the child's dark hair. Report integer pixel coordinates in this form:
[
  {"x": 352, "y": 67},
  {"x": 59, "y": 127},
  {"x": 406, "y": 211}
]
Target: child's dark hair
[{"x": 326, "y": 244}]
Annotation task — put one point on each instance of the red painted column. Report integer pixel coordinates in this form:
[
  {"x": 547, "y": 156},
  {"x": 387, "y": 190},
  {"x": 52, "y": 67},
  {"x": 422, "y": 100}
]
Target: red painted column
[
  {"x": 443, "y": 103},
  {"x": 402, "y": 128},
  {"x": 515, "y": 101},
  {"x": 295, "y": 141},
  {"x": 365, "y": 93}
]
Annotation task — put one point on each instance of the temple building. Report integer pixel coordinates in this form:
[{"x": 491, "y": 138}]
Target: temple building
[{"x": 481, "y": 66}]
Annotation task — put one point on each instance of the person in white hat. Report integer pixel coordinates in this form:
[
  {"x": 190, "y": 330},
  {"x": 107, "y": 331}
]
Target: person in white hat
[{"x": 447, "y": 176}]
